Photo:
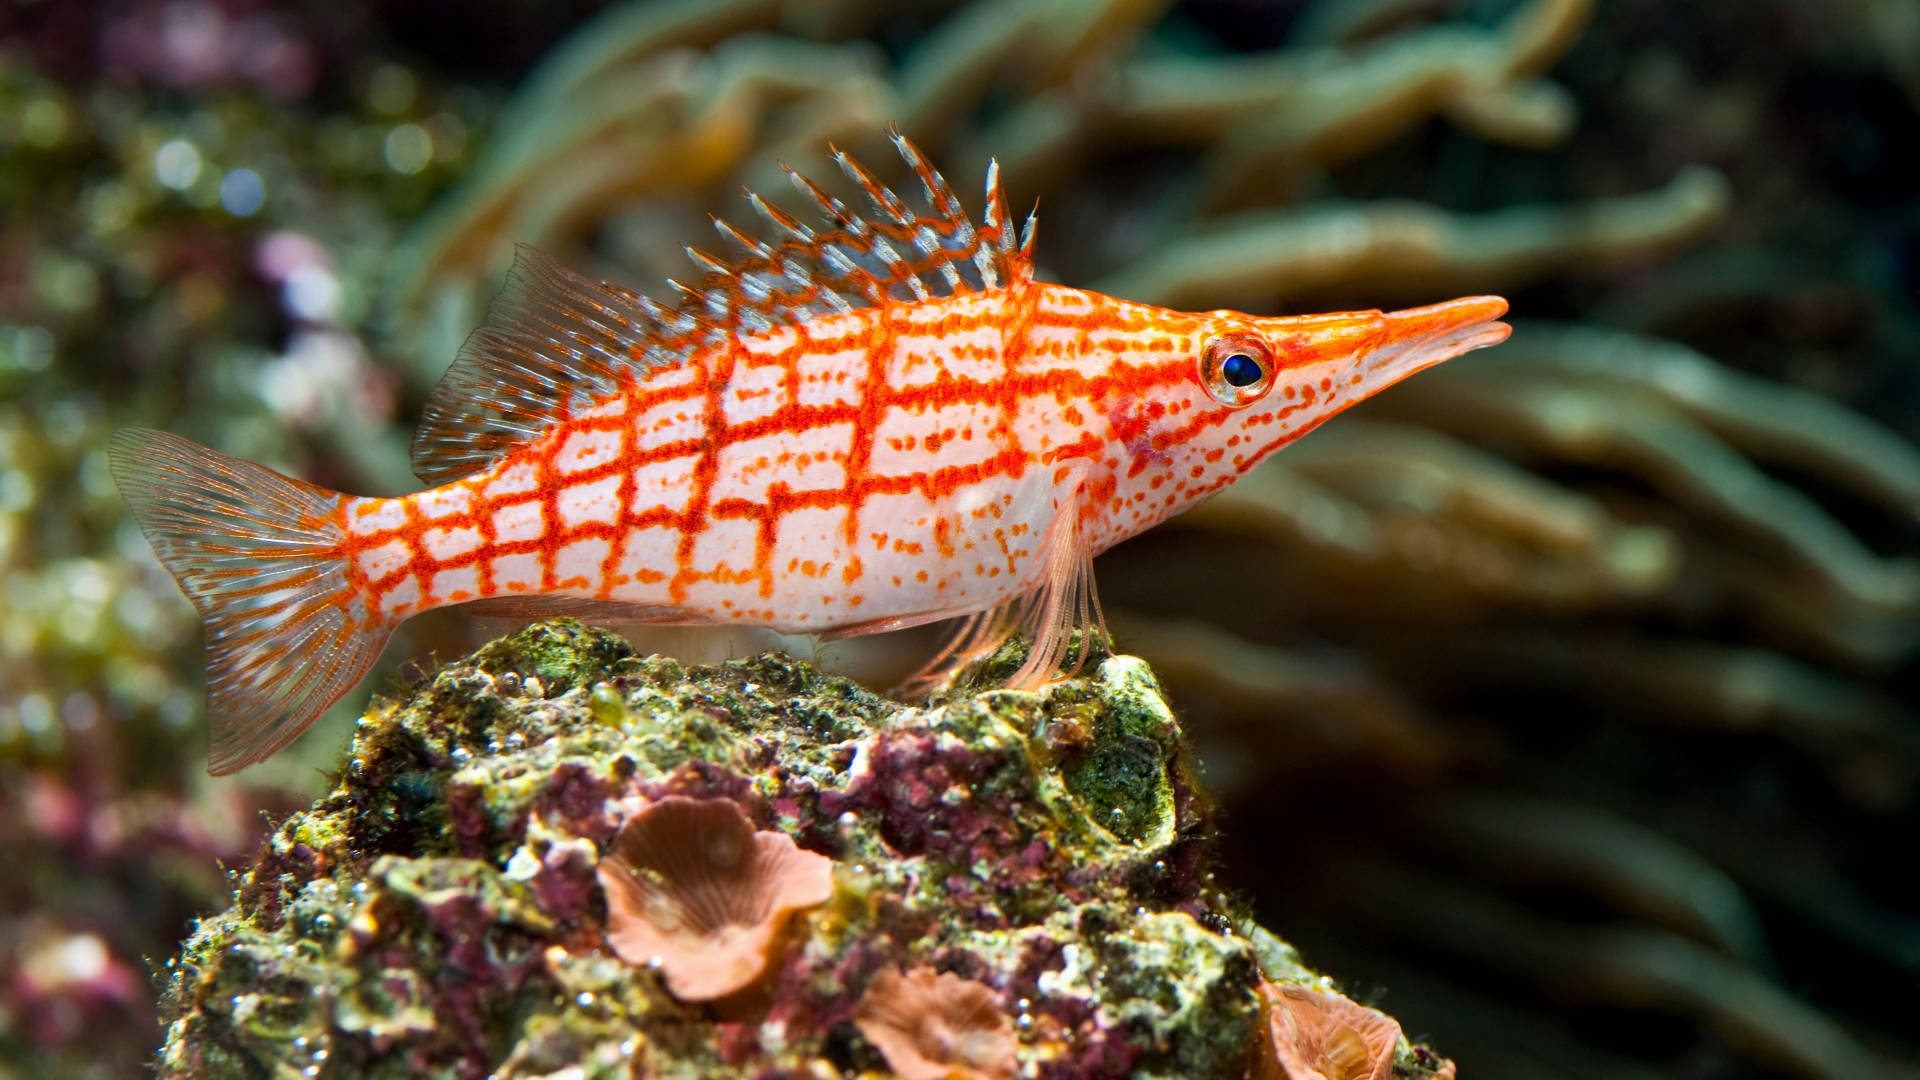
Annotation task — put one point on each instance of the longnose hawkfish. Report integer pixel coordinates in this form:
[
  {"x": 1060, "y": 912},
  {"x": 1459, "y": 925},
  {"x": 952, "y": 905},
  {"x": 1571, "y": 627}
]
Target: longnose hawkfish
[{"x": 868, "y": 423}]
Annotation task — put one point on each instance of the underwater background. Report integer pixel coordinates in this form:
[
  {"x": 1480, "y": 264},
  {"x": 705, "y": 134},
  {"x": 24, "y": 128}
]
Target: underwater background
[{"x": 1561, "y": 701}]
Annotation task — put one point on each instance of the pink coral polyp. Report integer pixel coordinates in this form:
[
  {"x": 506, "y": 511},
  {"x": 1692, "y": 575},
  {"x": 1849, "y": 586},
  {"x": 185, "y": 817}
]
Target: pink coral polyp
[
  {"x": 696, "y": 893},
  {"x": 937, "y": 1027},
  {"x": 1321, "y": 1036}
]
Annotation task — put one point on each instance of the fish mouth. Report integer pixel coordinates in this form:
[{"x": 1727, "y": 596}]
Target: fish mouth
[{"x": 1419, "y": 338}]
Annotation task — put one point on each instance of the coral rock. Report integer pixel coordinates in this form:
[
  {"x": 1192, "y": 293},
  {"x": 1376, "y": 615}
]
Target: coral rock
[{"x": 445, "y": 909}]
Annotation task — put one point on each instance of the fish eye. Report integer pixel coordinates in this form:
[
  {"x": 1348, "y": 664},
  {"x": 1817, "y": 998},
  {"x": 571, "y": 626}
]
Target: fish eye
[
  {"x": 1236, "y": 369},
  {"x": 1240, "y": 369}
]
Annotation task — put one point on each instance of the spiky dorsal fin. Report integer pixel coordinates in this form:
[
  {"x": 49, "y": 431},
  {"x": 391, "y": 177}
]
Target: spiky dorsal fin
[{"x": 554, "y": 341}]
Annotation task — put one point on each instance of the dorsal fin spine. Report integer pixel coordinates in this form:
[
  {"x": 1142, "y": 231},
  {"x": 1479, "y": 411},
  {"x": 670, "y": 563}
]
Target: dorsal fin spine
[
  {"x": 939, "y": 195},
  {"x": 708, "y": 262},
  {"x": 756, "y": 290},
  {"x": 927, "y": 239},
  {"x": 555, "y": 342},
  {"x": 993, "y": 229},
  {"x": 901, "y": 270},
  {"x": 781, "y": 220},
  {"x": 758, "y": 247},
  {"x": 829, "y": 205},
  {"x": 882, "y": 197},
  {"x": 839, "y": 261}
]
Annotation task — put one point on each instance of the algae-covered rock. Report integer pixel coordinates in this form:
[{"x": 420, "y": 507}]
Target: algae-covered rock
[{"x": 438, "y": 912}]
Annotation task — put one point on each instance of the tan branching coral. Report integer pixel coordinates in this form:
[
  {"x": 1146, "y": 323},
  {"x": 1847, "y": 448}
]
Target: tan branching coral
[
  {"x": 1633, "y": 869},
  {"x": 1317, "y": 1035},
  {"x": 693, "y": 891},
  {"x": 1266, "y": 118},
  {"x": 1627, "y": 966},
  {"x": 1405, "y": 248},
  {"x": 1680, "y": 422},
  {"x": 1352, "y": 100},
  {"x": 1767, "y": 419},
  {"x": 937, "y": 1026},
  {"x": 1352, "y": 713},
  {"x": 676, "y": 124},
  {"x": 1440, "y": 525}
]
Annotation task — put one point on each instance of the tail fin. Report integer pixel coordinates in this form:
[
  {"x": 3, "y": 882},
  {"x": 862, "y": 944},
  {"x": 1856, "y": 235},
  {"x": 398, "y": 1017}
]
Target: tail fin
[{"x": 257, "y": 553}]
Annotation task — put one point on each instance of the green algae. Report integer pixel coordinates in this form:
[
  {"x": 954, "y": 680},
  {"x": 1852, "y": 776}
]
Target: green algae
[
  {"x": 436, "y": 913},
  {"x": 1124, "y": 771}
]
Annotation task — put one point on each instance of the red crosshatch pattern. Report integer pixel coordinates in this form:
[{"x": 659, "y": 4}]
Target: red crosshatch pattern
[
  {"x": 880, "y": 422},
  {"x": 822, "y": 463},
  {"x": 883, "y": 463}
]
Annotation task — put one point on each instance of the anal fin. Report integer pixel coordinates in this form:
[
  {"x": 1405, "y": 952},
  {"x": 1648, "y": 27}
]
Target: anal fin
[{"x": 586, "y": 608}]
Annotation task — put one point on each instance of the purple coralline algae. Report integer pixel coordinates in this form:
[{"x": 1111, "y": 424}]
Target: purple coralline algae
[{"x": 440, "y": 911}]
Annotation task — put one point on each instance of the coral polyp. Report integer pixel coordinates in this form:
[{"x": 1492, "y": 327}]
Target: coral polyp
[{"x": 694, "y": 892}]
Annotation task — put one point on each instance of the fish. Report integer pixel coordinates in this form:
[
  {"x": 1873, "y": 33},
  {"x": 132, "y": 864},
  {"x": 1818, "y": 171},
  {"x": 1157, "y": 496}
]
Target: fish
[{"x": 868, "y": 420}]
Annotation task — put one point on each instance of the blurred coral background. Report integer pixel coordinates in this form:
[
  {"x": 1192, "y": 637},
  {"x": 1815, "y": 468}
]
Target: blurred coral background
[{"x": 1561, "y": 700}]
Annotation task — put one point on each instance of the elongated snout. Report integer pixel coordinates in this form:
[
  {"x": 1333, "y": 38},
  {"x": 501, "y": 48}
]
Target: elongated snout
[{"x": 1362, "y": 352}]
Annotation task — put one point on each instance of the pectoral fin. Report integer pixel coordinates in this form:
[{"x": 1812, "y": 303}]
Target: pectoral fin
[{"x": 1059, "y": 615}]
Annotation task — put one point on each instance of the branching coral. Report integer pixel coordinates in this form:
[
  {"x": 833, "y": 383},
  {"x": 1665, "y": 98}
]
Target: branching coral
[
  {"x": 1346, "y": 101},
  {"x": 1407, "y": 249},
  {"x": 1677, "y": 422},
  {"x": 1621, "y": 967}
]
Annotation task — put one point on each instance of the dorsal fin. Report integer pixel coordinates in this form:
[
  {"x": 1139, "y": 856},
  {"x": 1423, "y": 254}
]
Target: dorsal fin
[{"x": 554, "y": 341}]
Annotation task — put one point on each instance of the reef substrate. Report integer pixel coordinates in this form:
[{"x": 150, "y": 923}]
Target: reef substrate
[{"x": 437, "y": 913}]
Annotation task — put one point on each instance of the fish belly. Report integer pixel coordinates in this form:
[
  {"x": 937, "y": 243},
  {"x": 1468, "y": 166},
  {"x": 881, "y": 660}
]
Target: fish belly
[{"x": 870, "y": 557}]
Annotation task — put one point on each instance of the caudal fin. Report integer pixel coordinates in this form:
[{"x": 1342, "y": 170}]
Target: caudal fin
[{"x": 257, "y": 553}]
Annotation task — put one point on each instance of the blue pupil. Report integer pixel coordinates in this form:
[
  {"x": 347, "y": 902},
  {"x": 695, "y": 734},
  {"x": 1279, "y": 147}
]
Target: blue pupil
[{"x": 1240, "y": 370}]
